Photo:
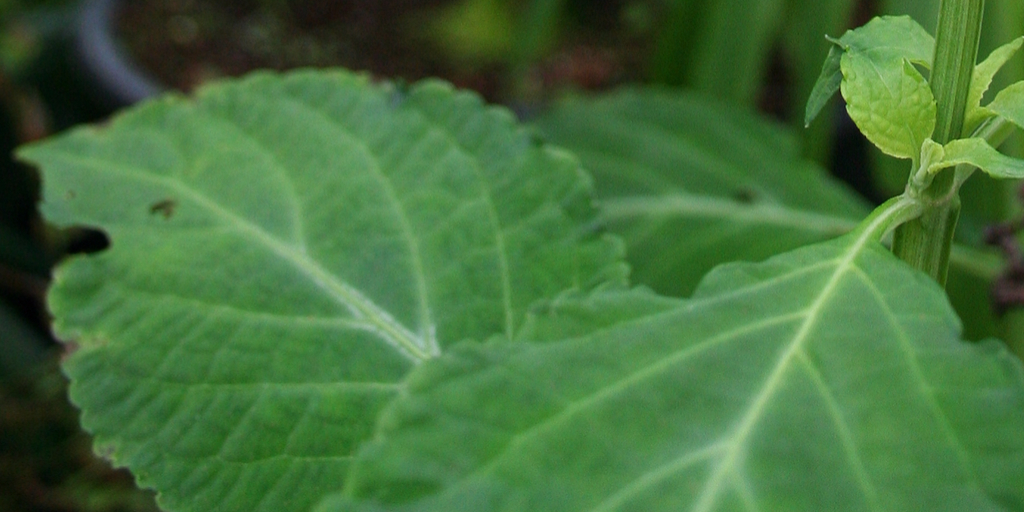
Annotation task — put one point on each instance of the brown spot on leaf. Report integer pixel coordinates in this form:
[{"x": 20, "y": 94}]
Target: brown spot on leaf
[{"x": 165, "y": 207}]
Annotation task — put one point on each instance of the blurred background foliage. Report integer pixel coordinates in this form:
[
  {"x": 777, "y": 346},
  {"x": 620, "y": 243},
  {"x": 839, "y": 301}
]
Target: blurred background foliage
[{"x": 762, "y": 55}]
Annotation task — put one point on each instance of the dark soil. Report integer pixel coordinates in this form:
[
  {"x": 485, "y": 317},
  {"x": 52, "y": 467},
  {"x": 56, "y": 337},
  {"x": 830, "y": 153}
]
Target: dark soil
[
  {"x": 46, "y": 461},
  {"x": 186, "y": 42}
]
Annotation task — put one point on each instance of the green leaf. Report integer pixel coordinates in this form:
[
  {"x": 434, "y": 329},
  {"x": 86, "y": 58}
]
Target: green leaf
[
  {"x": 978, "y": 153},
  {"x": 691, "y": 183},
  {"x": 982, "y": 79},
  {"x": 891, "y": 38},
  {"x": 889, "y": 101},
  {"x": 883, "y": 40},
  {"x": 829, "y": 378},
  {"x": 826, "y": 86},
  {"x": 885, "y": 95},
  {"x": 283, "y": 250},
  {"x": 1009, "y": 104}
]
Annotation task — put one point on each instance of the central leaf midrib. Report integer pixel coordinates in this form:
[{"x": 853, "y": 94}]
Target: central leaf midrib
[
  {"x": 595, "y": 397},
  {"x": 390, "y": 330},
  {"x": 710, "y": 207},
  {"x": 429, "y": 343}
]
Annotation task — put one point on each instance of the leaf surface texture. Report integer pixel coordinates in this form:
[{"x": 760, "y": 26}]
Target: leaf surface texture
[
  {"x": 284, "y": 249},
  {"x": 832, "y": 377}
]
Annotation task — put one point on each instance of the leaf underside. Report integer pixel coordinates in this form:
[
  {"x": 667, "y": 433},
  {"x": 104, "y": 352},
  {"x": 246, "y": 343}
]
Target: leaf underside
[
  {"x": 826, "y": 86},
  {"x": 284, "y": 249},
  {"x": 689, "y": 183},
  {"x": 829, "y": 378}
]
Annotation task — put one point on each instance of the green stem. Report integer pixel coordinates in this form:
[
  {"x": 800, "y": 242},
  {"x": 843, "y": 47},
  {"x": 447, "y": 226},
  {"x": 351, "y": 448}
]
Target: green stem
[
  {"x": 925, "y": 242},
  {"x": 956, "y": 53}
]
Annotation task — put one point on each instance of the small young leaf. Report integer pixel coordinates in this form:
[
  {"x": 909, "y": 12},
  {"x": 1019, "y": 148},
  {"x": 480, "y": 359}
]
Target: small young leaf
[
  {"x": 977, "y": 152},
  {"x": 327, "y": 235},
  {"x": 889, "y": 101},
  {"x": 982, "y": 79},
  {"x": 826, "y": 86},
  {"x": 1009, "y": 104},
  {"x": 887, "y": 38},
  {"x": 829, "y": 378}
]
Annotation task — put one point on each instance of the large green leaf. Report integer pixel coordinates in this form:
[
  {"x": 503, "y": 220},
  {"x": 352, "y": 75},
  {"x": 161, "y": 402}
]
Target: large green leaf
[
  {"x": 691, "y": 183},
  {"x": 283, "y": 250},
  {"x": 829, "y": 378}
]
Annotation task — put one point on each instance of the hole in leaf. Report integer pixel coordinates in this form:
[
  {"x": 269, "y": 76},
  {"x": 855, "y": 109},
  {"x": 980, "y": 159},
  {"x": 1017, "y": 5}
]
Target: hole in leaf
[{"x": 87, "y": 241}]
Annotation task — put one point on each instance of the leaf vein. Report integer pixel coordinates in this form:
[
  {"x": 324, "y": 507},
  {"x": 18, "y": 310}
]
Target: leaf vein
[
  {"x": 843, "y": 266},
  {"x": 656, "y": 475},
  {"x": 493, "y": 217},
  {"x": 427, "y": 345},
  {"x": 925, "y": 390},
  {"x": 341, "y": 292},
  {"x": 843, "y": 428},
  {"x": 630, "y": 380},
  {"x": 707, "y": 207}
]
